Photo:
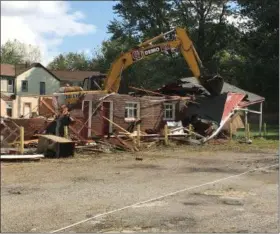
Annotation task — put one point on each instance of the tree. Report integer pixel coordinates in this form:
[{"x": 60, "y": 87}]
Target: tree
[
  {"x": 71, "y": 62},
  {"x": 15, "y": 52},
  {"x": 142, "y": 20},
  {"x": 260, "y": 48}
]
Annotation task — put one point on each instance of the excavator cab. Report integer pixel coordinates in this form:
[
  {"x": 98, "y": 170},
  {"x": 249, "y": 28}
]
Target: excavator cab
[{"x": 93, "y": 82}]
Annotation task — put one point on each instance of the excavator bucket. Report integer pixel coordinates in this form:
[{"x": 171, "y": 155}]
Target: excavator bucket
[{"x": 213, "y": 84}]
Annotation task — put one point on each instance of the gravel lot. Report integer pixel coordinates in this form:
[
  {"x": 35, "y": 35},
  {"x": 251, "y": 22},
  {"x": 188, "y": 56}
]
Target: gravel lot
[{"x": 53, "y": 193}]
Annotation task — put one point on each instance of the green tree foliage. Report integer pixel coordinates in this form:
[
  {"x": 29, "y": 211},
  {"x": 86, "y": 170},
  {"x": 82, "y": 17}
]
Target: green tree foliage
[
  {"x": 260, "y": 49},
  {"x": 15, "y": 52},
  {"x": 142, "y": 20},
  {"x": 244, "y": 53},
  {"x": 71, "y": 62}
]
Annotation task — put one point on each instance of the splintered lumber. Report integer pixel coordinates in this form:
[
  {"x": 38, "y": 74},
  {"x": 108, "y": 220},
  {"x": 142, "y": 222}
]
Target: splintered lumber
[
  {"x": 128, "y": 146},
  {"x": 21, "y": 140},
  {"x": 118, "y": 126},
  {"x": 160, "y": 94},
  {"x": 138, "y": 135},
  {"x": 147, "y": 91},
  {"x": 166, "y": 134},
  {"x": 194, "y": 133}
]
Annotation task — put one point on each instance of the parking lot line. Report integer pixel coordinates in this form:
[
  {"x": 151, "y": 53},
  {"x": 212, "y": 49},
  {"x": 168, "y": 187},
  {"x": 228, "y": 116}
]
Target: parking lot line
[{"x": 160, "y": 197}]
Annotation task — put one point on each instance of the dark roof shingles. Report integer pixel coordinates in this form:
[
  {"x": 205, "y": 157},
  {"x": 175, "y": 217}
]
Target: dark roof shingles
[
  {"x": 192, "y": 81},
  {"x": 75, "y": 75}
]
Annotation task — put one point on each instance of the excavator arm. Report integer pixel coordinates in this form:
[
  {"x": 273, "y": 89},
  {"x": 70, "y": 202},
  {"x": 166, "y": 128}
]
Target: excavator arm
[{"x": 182, "y": 42}]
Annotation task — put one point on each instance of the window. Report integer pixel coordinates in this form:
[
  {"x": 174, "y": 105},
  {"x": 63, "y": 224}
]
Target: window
[
  {"x": 131, "y": 111},
  {"x": 24, "y": 86},
  {"x": 10, "y": 86},
  {"x": 9, "y": 109},
  {"x": 169, "y": 111},
  {"x": 42, "y": 88},
  {"x": 4, "y": 85}
]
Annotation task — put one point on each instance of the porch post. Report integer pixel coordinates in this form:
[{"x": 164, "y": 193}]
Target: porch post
[
  {"x": 246, "y": 124},
  {"x": 89, "y": 118},
  {"x": 260, "y": 119}
]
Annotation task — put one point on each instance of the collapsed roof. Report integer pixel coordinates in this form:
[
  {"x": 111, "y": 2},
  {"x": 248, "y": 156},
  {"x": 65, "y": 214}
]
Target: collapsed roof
[{"x": 190, "y": 85}]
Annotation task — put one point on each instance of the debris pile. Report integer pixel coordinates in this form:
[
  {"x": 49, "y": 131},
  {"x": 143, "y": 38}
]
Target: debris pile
[{"x": 98, "y": 122}]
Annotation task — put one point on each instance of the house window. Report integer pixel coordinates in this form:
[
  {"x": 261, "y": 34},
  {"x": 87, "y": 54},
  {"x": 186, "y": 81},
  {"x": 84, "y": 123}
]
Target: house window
[
  {"x": 10, "y": 86},
  {"x": 42, "y": 88},
  {"x": 131, "y": 110},
  {"x": 24, "y": 86},
  {"x": 9, "y": 109},
  {"x": 4, "y": 85},
  {"x": 169, "y": 111}
]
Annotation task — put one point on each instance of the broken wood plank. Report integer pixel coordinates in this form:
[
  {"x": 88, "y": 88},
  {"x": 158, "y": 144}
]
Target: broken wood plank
[
  {"x": 126, "y": 144},
  {"x": 27, "y": 156},
  {"x": 118, "y": 126},
  {"x": 194, "y": 133}
]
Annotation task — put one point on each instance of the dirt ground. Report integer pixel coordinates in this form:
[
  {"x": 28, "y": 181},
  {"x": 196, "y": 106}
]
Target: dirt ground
[{"x": 50, "y": 194}]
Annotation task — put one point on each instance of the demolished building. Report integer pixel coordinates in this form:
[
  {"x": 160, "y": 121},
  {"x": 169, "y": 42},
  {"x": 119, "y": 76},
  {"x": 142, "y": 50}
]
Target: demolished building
[{"x": 211, "y": 108}]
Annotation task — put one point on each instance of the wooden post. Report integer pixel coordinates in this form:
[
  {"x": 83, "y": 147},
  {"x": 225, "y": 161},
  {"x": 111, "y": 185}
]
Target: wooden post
[
  {"x": 21, "y": 146},
  {"x": 230, "y": 130},
  {"x": 246, "y": 122},
  {"x": 260, "y": 119},
  {"x": 264, "y": 129},
  {"x": 138, "y": 134},
  {"x": 66, "y": 132},
  {"x": 190, "y": 129},
  {"x": 248, "y": 131},
  {"x": 166, "y": 134}
]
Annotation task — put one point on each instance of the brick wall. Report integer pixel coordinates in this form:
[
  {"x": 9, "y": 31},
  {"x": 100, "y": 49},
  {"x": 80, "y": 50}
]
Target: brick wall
[{"x": 151, "y": 111}]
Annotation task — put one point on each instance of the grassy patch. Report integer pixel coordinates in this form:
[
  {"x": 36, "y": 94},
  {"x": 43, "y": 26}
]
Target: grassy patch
[
  {"x": 272, "y": 132},
  {"x": 258, "y": 145}
]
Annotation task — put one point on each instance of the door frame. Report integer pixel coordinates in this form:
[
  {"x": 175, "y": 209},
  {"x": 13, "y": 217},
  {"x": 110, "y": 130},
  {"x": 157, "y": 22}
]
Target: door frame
[
  {"x": 111, "y": 111},
  {"x": 30, "y": 113}
]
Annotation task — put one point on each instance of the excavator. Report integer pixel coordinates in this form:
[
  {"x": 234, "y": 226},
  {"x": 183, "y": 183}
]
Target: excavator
[{"x": 174, "y": 40}]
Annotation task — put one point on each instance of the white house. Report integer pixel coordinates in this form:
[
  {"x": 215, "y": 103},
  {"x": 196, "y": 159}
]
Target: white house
[{"x": 19, "y": 86}]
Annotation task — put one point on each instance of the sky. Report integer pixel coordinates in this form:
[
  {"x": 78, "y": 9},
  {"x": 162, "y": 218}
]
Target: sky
[{"x": 57, "y": 26}]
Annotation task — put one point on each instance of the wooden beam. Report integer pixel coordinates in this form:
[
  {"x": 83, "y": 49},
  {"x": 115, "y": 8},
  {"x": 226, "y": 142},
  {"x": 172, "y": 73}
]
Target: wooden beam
[
  {"x": 260, "y": 119},
  {"x": 48, "y": 106},
  {"x": 166, "y": 134},
  {"x": 21, "y": 149},
  {"x": 118, "y": 126}
]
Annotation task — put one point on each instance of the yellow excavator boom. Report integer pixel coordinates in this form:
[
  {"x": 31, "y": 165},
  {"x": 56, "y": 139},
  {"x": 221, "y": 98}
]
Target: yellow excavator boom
[{"x": 182, "y": 42}]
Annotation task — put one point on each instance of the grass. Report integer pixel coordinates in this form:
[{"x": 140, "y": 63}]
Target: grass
[
  {"x": 272, "y": 132},
  {"x": 264, "y": 144}
]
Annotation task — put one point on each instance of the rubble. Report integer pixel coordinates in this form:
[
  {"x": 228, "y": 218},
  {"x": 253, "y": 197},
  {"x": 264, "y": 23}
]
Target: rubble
[{"x": 97, "y": 123}]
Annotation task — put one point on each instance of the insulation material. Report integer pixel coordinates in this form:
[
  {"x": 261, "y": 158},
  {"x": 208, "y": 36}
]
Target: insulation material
[{"x": 175, "y": 125}]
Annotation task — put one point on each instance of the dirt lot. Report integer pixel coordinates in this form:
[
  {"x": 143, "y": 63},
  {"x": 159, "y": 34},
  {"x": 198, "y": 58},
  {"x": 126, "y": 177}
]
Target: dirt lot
[{"x": 53, "y": 193}]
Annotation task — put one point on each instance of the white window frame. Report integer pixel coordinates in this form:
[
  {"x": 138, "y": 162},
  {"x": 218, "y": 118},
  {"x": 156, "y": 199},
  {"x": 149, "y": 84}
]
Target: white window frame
[
  {"x": 4, "y": 85},
  {"x": 130, "y": 112},
  {"x": 173, "y": 108},
  {"x": 9, "y": 105}
]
